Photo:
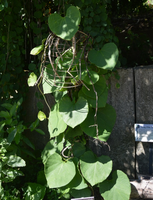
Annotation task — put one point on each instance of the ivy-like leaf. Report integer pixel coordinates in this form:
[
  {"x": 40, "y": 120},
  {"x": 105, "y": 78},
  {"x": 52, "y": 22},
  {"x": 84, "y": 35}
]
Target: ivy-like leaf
[
  {"x": 58, "y": 172},
  {"x": 95, "y": 169},
  {"x": 106, "y": 58},
  {"x": 73, "y": 113},
  {"x": 65, "y": 27},
  {"x": 118, "y": 188}
]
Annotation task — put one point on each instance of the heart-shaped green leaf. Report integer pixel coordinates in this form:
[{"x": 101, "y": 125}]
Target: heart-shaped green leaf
[
  {"x": 58, "y": 172},
  {"x": 65, "y": 27},
  {"x": 95, "y": 169},
  {"x": 73, "y": 113},
  {"x": 106, "y": 58},
  {"x": 106, "y": 118},
  {"x": 118, "y": 188},
  {"x": 56, "y": 125}
]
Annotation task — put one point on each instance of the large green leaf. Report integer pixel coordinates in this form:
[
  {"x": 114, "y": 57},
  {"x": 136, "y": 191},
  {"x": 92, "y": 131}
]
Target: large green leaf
[
  {"x": 52, "y": 80},
  {"x": 56, "y": 125},
  {"x": 73, "y": 113},
  {"x": 95, "y": 169},
  {"x": 118, "y": 188},
  {"x": 106, "y": 118},
  {"x": 105, "y": 58},
  {"x": 65, "y": 27},
  {"x": 58, "y": 172}
]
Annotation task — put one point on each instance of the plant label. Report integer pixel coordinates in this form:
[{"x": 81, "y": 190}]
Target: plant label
[{"x": 143, "y": 132}]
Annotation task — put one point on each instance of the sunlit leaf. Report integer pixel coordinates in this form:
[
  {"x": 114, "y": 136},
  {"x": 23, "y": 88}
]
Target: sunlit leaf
[
  {"x": 105, "y": 58},
  {"x": 54, "y": 145},
  {"x": 95, "y": 169},
  {"x": 58, "y": 172},
  {"x": 52, "y": 81},
  {"x": 73, "y": 113},
  {"x": 35, "y": 51},
  {"x": 16, "y": 161},
  {"x": 32, "y": 79},
  {"x": 56, "y": 125},
  {"x": 41, "y": 116}
]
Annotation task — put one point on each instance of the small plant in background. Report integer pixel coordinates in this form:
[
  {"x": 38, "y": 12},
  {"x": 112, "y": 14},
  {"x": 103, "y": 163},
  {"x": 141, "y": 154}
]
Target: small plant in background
[
  {"x": 76, "y": 74},
  {"x": 13, "y": 146}
]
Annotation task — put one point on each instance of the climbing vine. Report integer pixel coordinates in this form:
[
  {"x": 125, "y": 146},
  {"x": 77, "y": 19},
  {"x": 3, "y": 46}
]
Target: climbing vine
[{"x": 74, "y": 68}]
